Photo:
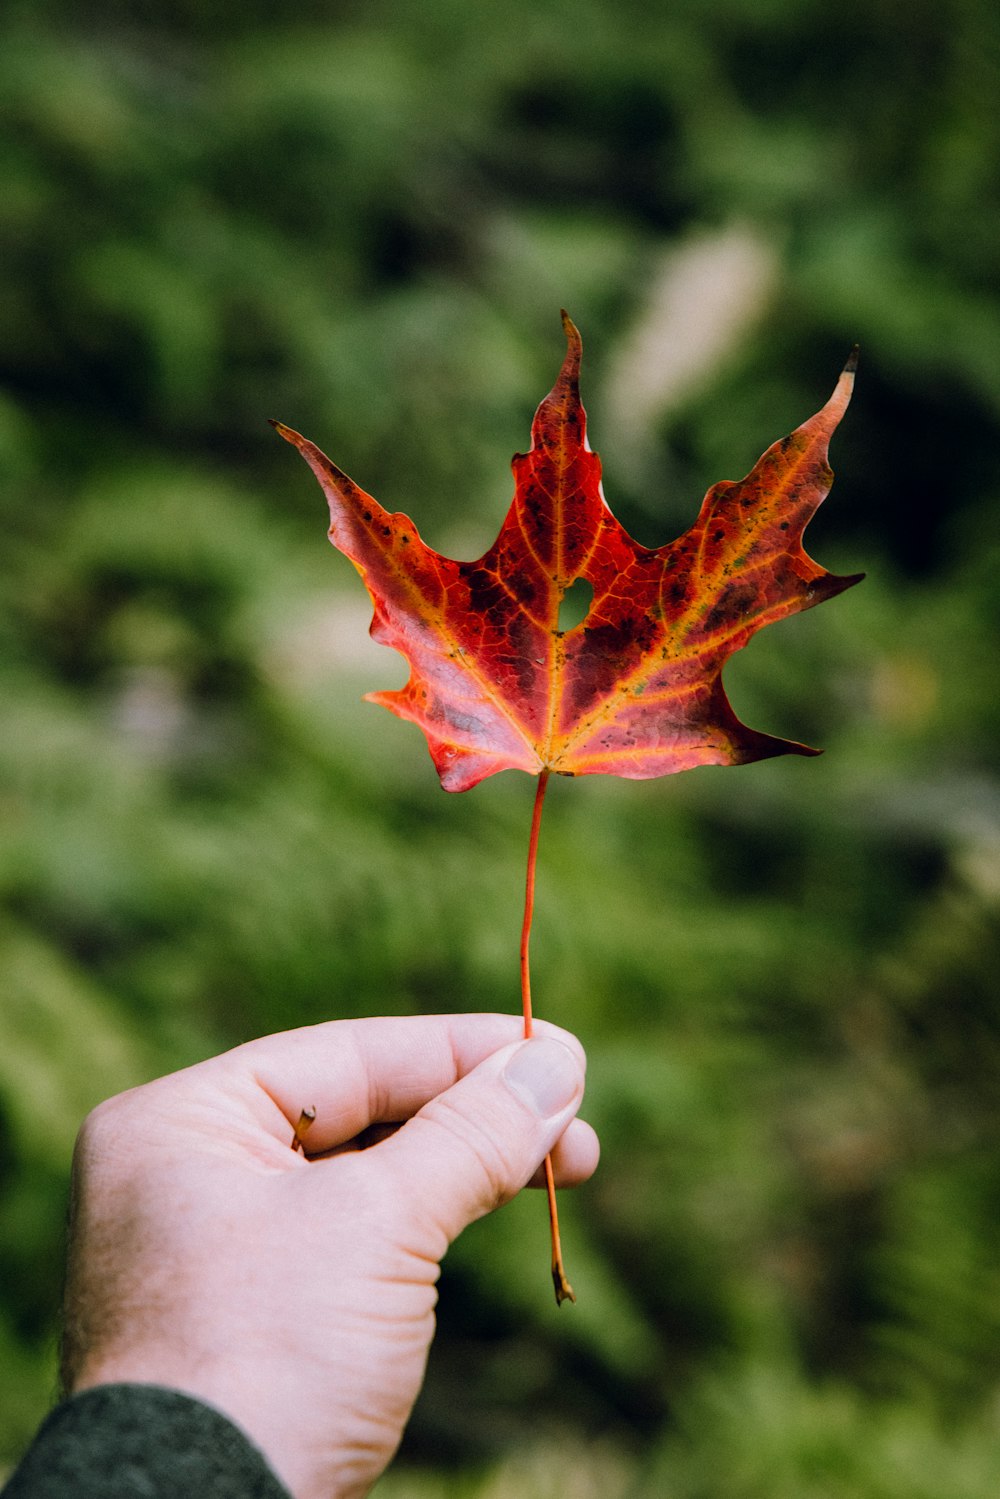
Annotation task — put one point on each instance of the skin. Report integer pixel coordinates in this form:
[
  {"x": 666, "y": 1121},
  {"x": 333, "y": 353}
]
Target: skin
[{"x": 295, "y": 1292}]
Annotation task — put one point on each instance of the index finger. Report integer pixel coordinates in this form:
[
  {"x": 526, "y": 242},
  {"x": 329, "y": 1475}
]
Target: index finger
[{"x": 356, "y": 1073}]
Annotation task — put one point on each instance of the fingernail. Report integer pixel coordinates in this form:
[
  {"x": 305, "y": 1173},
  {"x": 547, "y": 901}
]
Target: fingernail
[{"x": 545, "y": 1075}]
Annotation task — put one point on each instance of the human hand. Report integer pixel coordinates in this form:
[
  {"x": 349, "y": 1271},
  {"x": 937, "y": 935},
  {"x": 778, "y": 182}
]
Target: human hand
[{"x": 297, "y": 1294}]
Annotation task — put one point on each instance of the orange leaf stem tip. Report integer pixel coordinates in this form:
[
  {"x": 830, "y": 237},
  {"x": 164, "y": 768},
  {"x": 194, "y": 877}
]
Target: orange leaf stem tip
[{"x": 307, "y": 1119}]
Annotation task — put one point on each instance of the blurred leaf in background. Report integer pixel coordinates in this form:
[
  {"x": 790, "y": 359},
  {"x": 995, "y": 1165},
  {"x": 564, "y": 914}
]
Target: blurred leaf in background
[{"x": 363, "y": 220}]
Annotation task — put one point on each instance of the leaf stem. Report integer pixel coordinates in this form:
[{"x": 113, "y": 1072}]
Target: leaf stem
[{"x": 564, "y": 1291}]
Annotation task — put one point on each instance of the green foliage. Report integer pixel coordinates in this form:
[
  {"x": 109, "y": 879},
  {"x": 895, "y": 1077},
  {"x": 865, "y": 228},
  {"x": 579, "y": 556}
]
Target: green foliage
[{"x": 364, "y": 223}]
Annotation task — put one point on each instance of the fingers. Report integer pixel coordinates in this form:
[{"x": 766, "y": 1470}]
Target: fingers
[
  {"x": 479, "y": 1142},
  {"x": 574, "y": 1156},
  {"x": 361, "y": 1072}
]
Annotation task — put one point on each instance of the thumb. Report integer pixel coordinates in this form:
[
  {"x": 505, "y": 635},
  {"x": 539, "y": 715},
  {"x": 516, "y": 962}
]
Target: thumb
[{"x": 476, "y": 1145}]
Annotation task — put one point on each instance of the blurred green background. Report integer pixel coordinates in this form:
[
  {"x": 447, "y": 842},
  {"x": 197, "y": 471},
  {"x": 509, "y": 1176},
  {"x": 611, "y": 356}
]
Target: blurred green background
[{"x": 363, "y": 219}]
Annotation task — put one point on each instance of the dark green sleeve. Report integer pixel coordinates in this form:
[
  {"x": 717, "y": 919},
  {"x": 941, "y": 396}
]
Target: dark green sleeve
[{"x": 134, "y": 1441}]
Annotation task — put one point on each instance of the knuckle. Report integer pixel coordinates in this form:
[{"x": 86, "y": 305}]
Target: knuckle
[
  {"x": 493, "y": 1165},
  {"x": 105, "y": 1125}
]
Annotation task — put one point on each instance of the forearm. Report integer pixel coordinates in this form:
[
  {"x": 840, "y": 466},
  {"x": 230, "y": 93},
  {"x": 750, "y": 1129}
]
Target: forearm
[{"x": 140, "y": 1442}]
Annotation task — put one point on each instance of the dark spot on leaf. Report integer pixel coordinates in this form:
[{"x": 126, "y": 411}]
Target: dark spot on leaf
[{"x": 733, "y": 603}]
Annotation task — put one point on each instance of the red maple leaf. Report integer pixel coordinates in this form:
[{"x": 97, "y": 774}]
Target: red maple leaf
[{"x": 635, "y": 689}]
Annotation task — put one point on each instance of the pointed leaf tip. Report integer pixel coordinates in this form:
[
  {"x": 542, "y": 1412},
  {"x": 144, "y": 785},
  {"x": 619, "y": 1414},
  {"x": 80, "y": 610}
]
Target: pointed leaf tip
[
  {"x": 288, "y": 433},
  {"x": 572, "y": 333},
  {"x": 852, "y": 360}
]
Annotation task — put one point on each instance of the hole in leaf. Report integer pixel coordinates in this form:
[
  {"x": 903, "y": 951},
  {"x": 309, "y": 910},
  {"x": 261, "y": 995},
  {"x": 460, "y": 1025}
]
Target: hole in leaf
[{"x": 575, "y": 605}]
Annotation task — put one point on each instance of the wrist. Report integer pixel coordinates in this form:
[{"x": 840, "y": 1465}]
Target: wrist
[{"x": 252, "y": 1401}]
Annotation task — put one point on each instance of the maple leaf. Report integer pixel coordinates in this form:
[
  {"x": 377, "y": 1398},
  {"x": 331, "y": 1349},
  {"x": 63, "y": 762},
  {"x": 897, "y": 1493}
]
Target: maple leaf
[{"x": 633, "y": 690}]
